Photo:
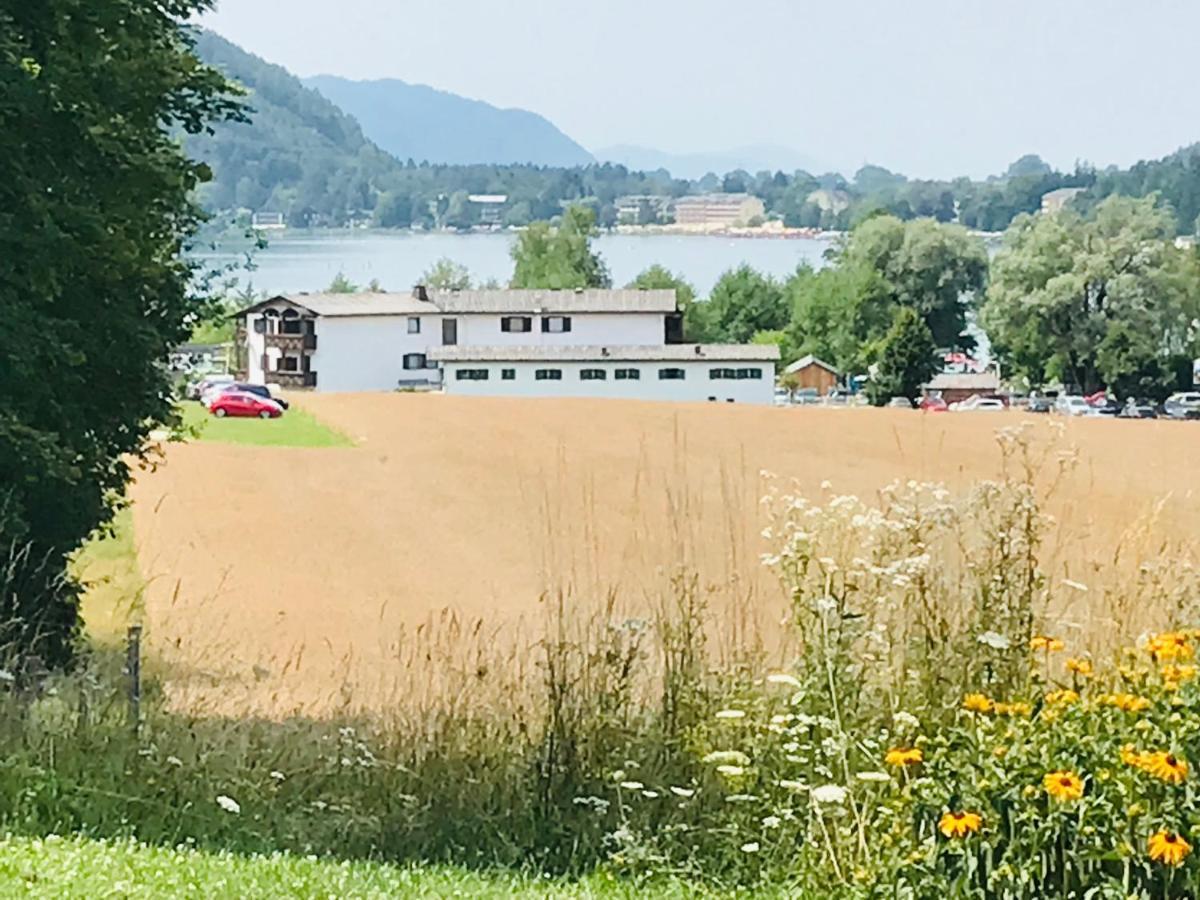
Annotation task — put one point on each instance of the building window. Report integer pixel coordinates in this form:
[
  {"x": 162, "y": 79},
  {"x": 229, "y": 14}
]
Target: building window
[
  {"x": 556, "y": 324},
  {"x": 627, "y": 374},
  {"x": 449, "y": 332},
  {"x": 471, "y": 374},
  {"x": 291, "y": 323},
  {"x": 671, "y": 375},
  {"x": 715, "y": 374},
  {"x": 753, "y": 374},
  {"x": 289, "y": 364},
  {"x": 414, "y": 325},
  {"x": 430, "y": 363},
  {"x": 547, "y": 374},
  {"x": 508, "y": 374},
  {"x": 260, "y": 326},
  {"x": 518, "y": 324},
  {"x": 414, "y": 361},
  {"x": 592, "y": 375}
]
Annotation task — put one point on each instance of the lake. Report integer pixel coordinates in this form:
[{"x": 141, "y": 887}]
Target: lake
[{"x": 307, "y": 261}]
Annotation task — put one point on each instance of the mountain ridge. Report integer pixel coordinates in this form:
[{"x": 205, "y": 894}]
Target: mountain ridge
[{"x": 427, "y": 124}]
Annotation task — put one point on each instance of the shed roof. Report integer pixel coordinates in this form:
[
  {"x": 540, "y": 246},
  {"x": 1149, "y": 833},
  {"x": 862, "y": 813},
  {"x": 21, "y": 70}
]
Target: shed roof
[
  {"x": 805, "y": 361},
  {"x": 650, "y": 353}
]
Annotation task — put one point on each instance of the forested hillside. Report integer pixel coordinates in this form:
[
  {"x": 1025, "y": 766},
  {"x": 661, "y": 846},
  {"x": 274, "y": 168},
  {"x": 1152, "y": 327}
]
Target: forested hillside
[{"x": 412, "y": 121}]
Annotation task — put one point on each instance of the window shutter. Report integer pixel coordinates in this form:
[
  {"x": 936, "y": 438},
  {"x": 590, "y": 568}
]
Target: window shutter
[
  {"x": 545, "y": 324},
  {"x": 566, "y": 323},
  {"x": 505, "y": 323}
]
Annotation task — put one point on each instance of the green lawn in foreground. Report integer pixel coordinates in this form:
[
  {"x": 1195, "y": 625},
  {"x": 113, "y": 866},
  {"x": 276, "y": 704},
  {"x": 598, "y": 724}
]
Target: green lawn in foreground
[
  {"x": 80, "y": 868},
  {"x": 295, "y": 428}
]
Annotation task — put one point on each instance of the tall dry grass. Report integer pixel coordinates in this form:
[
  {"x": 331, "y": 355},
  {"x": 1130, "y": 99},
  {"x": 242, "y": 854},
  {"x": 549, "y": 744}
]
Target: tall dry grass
[{"x": 579, "y": 737}]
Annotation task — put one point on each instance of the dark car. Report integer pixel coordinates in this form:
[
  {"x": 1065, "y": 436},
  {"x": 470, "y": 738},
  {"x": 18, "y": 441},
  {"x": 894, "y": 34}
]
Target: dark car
[
  {"x": 1107, "y": 407},
  {"x": 1138, "y": 409},
  {"x": 1185, "y": 405},
  {"x": 1039, "y": 404},
  {"x": 260, "y": 390}
]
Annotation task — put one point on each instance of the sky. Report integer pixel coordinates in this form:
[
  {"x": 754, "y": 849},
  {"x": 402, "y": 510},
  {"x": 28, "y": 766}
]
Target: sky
[{"x": 930, "y": 88}]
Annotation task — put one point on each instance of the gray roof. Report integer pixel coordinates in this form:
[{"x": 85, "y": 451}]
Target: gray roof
[
  {"x": 397, "y": 303},
  {"x": 964, "y": 381},
  {"x": 645, "y": 353},
  {"x": 805, "y": 361},
  {"x": 533, "y": 301}
]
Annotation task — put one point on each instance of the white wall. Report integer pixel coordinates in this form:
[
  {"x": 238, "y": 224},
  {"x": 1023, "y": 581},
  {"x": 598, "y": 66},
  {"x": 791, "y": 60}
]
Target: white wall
[
  {"x": 366, "y": 353},
  {"x": 696, "y": 386},
  {"x": 255, "y": 345}
]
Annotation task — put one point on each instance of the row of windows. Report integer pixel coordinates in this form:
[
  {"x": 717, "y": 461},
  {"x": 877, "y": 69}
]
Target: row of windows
[
  {"x": 738, "y": 374},
  {"x": 513, "y": 324},
  {"x": 418, "y": 361},
  {"x": 667, "y": 374}
]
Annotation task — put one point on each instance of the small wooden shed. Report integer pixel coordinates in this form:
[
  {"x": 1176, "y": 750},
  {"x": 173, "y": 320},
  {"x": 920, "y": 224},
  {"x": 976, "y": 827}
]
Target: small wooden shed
[{"x": 810, "y": 372}]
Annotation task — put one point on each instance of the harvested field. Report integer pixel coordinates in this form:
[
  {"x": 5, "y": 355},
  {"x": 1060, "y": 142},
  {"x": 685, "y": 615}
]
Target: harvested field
[{"x": 288, "y": 578}]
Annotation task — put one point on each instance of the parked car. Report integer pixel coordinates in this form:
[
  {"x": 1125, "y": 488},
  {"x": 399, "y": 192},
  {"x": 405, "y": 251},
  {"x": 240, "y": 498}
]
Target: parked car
[
  {"x": 1108, "y": 407},
  {"x": 1138, "y": 409},
  {"x": 808, "y": 396},
  {"x": 1071, "y": 405},
  {"x": 195, "y": 389},
  {"x": 1039, "y": 404},
  {"x": 934, "y": 403},
  {"x": 260, "y": 389},
  {"x": 977, "y": 403},
  {"x": 899, "y": 403},
  {"x": 839, "y": 397},
  {"x": 241, "y": 403},
  {"x": 1185, "y": 405},
  {"x": 783, "y": 397}
]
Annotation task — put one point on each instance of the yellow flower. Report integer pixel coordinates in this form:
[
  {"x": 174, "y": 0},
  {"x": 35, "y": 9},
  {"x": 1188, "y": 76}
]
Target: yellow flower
[
  {"x": 1126, "y": 702},
  {"x": 1063, "y": 785},
  {"x": 1064, "y": 696},
  {"x": 959, "y": 824},
  {"x": 1132, "y": 757},
  {"x": 904, "y": 756},
  {"x": 977, "y": 703},
  {"x": 1049, "y": 644},
  {"x": 1013, "y": 709},
  {"x": 1171, "y": 645},
  {"x": 1174, "y": 675},
  {"x": 1082, "y": 667},
  {"x": 1168, "y": 848},
  {"x": 1165, "y": 766}
]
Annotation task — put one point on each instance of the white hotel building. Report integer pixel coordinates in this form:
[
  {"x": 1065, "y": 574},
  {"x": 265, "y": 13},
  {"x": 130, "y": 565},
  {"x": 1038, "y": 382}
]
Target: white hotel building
[{"x": 583, "y": 343}]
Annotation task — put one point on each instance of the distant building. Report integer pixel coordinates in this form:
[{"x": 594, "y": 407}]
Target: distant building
[
  {"x": 955, "y": 386},
  {"x": 1057, "y": 201},
  {"x": 810, "y": 372},
  {"x": 1185, "y": 242},
  {"x": 491, "y": 207},
  {"x": 726, "y": 210},
  {"x": 268, "y": 220},
  {"x": 640, "y": 209}
]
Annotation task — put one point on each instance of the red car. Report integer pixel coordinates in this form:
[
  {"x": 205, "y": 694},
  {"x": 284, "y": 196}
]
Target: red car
[
  {"x": 240, "y": 403},
  {"x": 934, "y": 403}
]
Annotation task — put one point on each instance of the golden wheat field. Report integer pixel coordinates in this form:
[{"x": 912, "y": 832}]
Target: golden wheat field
[{"x": 285, "y": 579}]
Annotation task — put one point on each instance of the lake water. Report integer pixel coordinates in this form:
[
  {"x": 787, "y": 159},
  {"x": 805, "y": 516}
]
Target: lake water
[{"x": 308, "y": 261}]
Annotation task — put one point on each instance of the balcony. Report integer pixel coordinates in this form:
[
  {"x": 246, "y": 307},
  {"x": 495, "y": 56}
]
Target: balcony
[{"x": 293, "y": 379}]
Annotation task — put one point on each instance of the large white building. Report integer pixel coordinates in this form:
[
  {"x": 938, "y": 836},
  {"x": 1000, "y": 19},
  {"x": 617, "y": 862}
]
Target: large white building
[
  {"x": 388, "y": 341},
  {"x": 723, "y": 373}
]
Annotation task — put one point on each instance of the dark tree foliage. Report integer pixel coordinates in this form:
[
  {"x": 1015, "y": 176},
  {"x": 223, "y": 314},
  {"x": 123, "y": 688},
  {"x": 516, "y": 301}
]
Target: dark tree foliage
[
  {"x": 95, "y": 212},
  {"x": 906, "y": 358}
]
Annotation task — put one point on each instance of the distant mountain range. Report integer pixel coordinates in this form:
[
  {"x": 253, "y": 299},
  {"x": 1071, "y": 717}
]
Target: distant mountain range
[
  {"x": 412, "y": 121},
  {"x": 752, "y": 159}
]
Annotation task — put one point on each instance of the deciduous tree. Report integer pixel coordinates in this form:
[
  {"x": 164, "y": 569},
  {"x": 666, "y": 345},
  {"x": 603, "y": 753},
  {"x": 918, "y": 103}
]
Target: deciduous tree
[{"x": 560, "y": 258}]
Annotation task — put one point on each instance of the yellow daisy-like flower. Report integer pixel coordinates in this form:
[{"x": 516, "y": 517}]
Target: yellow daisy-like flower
[
  {"x": 1132, "y": 757},
  {"x": 1171, "y": 645},
  {"x": 1081, "y": 667},
  {"x": 1173, "y": 674},
  {"x": 1165, "y": 766},
  {"x": 1049, "y": 644},
  {"x": 904, "y": 756},
  {"x": 978, "y": 703},
  {"x": 1168, "y": 848},
  {"x": 959, "y": 824},
  {"x": 1126, "y": 702},
  {"x": 1064, "y": 696},
  {"x": 1013, "y": 709},
  {"x": 1063, "y": 786}
]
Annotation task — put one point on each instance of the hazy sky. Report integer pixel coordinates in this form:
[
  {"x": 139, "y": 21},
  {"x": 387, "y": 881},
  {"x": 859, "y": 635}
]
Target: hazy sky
[{"x": 925, "y": 87}]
